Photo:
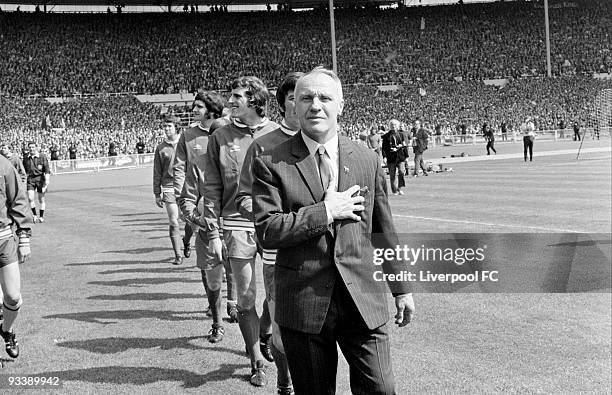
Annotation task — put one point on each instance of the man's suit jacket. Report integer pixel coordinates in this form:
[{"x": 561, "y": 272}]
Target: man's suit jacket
[{"x": 290, "y": 216}]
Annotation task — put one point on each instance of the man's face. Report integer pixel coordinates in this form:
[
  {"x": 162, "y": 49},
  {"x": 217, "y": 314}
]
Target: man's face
[
  {"x": 4, "y": 150},
  {"x": 318, "y": 103},
  {"x": 33, "y": 149},
  {"x": 417, "y": 124},
  {"x": 239, "y": 105},
  {"x": 170, "y": 131},
  {"x": 394, "y": 125},
  {"x": 199, "y": 111},
  {"x": 291, "y": 117}
]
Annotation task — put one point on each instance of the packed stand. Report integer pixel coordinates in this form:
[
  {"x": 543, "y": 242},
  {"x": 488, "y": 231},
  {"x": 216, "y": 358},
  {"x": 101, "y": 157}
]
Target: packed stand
[
  {"x": 162, "y": 53},
  {"x": 449, "y": 105},
  {"x": 90, "y": 124},
  {"x": 443, "y": 107}
]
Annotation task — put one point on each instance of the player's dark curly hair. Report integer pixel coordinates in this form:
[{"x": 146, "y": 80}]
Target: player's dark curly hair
[
  {"x": 213, "y": 101},
  {"x": 256, "y": 91},
  {"x": 285, "y": 87}
]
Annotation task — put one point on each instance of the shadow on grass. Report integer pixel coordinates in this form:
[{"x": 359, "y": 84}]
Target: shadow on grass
[
  {"x": 136, "y": 214},
  {"x": 146, "y": 296},
  {"x": 112, "y": 317},
  {"x": 142, "y": 375},
  {"x": 156, "y": 226},
  {"x": 114, "y": 263},
  {"x": 142, "y": 282},
  {"x": 579, "y": 265},
  {"x": 156, "y": 223},
  {"x": 583, "y": 243},
  {"x": 160, "y": 229},
  {"x": 137, "y": 250},
  {"x": 113, "y": 345},
  {"x": 157, "y": 237},
  {"x": 139, "y": 221},
  {"x": 170, "y": 269}
]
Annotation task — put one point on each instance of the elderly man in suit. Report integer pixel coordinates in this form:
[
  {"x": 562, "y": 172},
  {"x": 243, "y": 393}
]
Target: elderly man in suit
[{"x": 321, "y": 200}]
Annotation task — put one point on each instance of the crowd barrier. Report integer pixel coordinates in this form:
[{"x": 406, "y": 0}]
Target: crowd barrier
[
  {"x": 146, "y": 160},
  {"x": 515, "y": 137},
  {"x": 101, "y": 164}
]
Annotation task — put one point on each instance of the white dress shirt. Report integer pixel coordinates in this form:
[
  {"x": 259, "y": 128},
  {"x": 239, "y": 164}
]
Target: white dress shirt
[{"x": 331, "y": 148}]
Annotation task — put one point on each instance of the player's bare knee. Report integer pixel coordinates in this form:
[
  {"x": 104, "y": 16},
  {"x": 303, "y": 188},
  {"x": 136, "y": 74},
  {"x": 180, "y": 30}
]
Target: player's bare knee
[
  {"x": 214, "y": 279},
  {"x": 213, "y": 285},
  {"x": 246, "y": 301},
  {"x": 12, "y": 301}
]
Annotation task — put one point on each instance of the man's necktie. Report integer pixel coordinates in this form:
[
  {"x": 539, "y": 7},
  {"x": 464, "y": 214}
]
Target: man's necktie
[{"x": 325, "y": 167}]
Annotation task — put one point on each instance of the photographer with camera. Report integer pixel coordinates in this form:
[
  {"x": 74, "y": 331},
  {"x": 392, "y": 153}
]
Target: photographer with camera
[{"x": 395, "y": 150}]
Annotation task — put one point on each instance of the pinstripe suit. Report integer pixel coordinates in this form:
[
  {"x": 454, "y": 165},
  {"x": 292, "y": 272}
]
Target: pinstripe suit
[{"x": 324, "y": 274}]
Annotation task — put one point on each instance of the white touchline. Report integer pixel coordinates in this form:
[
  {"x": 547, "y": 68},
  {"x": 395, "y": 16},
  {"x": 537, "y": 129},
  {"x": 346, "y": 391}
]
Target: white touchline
[{"x": 459, "y": 221}]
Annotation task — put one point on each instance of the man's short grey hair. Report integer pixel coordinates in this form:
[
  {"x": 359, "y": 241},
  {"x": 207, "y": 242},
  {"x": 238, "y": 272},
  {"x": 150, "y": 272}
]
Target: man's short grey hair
[{"x": 327, "y": 72}]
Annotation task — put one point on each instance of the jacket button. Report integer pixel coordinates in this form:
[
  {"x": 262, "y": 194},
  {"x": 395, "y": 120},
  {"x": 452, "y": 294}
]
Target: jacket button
[{"x": 328, "y": 286}]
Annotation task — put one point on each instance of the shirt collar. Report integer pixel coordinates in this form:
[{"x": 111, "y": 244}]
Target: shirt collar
[
  {"x": 331, "y": 146},
  {"x": 172, "y": 142},
  {"x": 285, "y": 129},
  {"x": 264, "y": 122}
]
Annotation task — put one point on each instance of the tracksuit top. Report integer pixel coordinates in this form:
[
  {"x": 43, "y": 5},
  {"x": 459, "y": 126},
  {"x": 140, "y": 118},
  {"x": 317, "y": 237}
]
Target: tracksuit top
[
  {"x": 14, "y": 205},
  {"x": 162, "y": 167},
  {"x": 227, "y": 148},
  {"x": 189, "y": 167},
  {"x": 244, "y": 200}
]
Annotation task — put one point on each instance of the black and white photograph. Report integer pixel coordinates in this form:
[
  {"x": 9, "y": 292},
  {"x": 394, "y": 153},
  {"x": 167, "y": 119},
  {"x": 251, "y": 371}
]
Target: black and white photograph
[{"x": 306, "y": 197}]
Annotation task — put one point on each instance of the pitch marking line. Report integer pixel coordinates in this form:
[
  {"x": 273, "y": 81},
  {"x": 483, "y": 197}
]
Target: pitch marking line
[
  {"x": 519, "y": 155},
  {"x": 458, "y": 221}
]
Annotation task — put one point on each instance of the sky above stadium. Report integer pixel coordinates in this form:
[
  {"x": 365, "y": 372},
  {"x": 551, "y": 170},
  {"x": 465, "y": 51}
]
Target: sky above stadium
[{"x": 59, "y": 8}]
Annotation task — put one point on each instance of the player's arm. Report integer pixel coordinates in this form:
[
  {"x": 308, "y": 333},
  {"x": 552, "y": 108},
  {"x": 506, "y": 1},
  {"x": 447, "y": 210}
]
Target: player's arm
[
  {"x": 179, "y": 166},
  {"x": 157, "y": 176},
  {"x": 18, "y": 209},
  {"x": 213, "y": 189},
  {"x": 244, "y": 200},
  {"x": 190, "y": 195}
]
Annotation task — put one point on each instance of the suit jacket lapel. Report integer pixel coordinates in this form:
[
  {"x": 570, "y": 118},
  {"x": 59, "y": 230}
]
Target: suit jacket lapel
[
  {"x": 346, "y": 171},
  {"x": 346, "y": 178},
  {"x": 307, "y": 167}
]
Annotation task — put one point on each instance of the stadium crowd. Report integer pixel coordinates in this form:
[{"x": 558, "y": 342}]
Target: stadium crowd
[
  {"x": 439, "y": 55},
  {"x": 91, "y": 124},
  {"x": 162, "y": 53},
  {"x": 451, "y": 104}
]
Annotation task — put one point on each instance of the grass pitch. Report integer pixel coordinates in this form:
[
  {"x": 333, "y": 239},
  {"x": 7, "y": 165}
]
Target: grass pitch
[{"x": 106, "y": 312}]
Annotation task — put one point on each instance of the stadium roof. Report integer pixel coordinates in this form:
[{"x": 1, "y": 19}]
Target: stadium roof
[{"x": 174, "y": 3}]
